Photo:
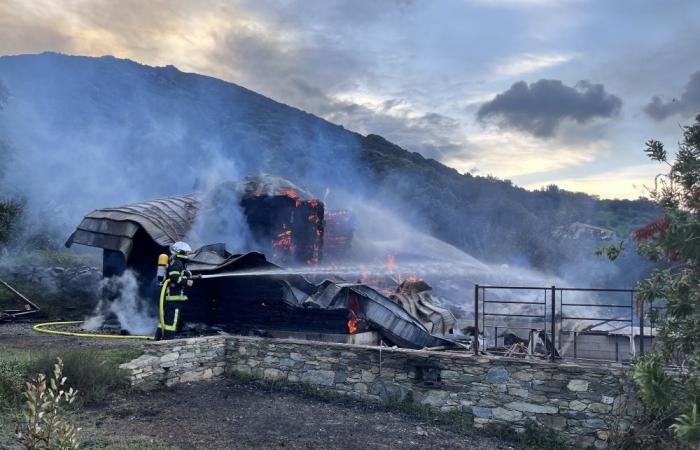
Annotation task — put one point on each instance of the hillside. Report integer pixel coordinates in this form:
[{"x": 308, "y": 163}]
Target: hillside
[{"x": 83, "y": 132}]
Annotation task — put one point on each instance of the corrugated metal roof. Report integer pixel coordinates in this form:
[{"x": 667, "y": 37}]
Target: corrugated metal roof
[{"x": 165, "y": 220}]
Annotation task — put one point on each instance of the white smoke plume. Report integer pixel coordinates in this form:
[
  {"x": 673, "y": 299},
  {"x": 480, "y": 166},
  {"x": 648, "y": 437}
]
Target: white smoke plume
[{"x": 120, "y": 298}]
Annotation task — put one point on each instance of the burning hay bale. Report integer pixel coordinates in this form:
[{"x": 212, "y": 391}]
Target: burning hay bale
[{"x": 287, "y": 217}]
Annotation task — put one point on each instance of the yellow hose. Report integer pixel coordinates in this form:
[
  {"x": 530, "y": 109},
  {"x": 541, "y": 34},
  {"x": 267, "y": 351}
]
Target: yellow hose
[
  {"x": 161, "y": 308},
  {"x": 40, "y": 328}
]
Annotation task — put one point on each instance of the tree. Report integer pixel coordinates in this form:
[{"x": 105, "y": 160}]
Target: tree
[{"x": 673, "y": 240}]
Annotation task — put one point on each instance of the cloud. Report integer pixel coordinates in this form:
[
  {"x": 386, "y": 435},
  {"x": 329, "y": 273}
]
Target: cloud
[
  {"x": 432, "y": 134},
  {"x": 540, "y": 107},
  {"x": 513, "y": 154},
  {"x": 687, "y": 105},
  {"x": 528, "y": 62}
]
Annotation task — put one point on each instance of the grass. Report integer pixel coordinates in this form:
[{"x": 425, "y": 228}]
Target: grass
[{"x": 93, "y": 372}]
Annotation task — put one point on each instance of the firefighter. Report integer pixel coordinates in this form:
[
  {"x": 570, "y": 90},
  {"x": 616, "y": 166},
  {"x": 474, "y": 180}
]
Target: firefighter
[{"x": 173, "y": 286}]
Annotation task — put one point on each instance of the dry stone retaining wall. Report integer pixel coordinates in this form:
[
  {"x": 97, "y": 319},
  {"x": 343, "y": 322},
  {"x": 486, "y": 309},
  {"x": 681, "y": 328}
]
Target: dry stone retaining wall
[
  {"x": 583, "y": 403},
  {"x": 177, "y": 361}
]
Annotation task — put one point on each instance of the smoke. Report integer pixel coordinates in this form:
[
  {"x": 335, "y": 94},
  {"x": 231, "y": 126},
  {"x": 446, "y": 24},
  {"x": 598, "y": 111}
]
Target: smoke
[
  {"x": 120, "y": 301},
  {"x": 90, "y": 133},
  {"x": 136, "y": 133}
]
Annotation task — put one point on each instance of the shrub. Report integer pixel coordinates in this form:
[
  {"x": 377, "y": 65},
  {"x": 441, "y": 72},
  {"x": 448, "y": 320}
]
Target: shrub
[
  {"x": 13, "y": 372},
  {"x": 656, "y": 387},
  {"x": 47, "y": 426},
  {"x": 88, "y": 371}
]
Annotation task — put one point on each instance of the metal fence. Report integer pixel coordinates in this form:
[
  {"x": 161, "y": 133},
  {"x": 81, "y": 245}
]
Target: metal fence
[{"x": 578, "y": 323}]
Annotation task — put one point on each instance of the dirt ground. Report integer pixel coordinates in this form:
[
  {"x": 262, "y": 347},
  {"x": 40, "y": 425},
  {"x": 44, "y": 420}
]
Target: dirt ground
[
  {"x": 230, "y": 415},
  {"x": 20, "y": 335},
  {"x": 227, "y": 414}
]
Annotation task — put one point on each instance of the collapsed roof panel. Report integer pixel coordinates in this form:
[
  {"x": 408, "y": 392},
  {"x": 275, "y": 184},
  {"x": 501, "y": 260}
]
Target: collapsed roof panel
[{"x": 165, "y": 220}]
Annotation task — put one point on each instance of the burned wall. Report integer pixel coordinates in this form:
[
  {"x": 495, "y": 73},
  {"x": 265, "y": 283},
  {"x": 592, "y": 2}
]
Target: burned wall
[{"x": 584, "y": 403}]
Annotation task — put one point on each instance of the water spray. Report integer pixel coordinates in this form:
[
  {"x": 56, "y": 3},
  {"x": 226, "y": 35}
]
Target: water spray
[{"x": 429, "y": 268}]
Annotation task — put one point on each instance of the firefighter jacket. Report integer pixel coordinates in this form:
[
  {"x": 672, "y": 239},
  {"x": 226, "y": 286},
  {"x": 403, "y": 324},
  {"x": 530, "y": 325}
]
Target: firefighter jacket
[{"x": 178, "y": 279}]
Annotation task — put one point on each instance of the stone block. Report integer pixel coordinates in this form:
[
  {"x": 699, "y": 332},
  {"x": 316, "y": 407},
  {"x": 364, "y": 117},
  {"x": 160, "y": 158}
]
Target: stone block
[
  {"x": 360, "y": 388},
  {"x": 518, "y": 392},
  {"x": 507, "y": 415},
  {"x": 367, "y": 376},
  {"x": 523, "y": 375},
  {"x": 577, "y": 385},
  {"x": 191, "y": 376},
  {"x": 597, "y": 424},
  {"x": 532, "y": 408},
  {"x": 553, "y": 421},
  {"x": 322, "y": 377},
  {"x": 599, "y": 408},
  {"x": 434, "y": 398},
  {"x": 391, "y": 391},
  {"x": 577, "y": 405},
  {"x": 272, "y": 374},
  {"x": 481, "y": 412},
  {"x": 497, "y": 375},
  {"x": 169, "y": 357}
]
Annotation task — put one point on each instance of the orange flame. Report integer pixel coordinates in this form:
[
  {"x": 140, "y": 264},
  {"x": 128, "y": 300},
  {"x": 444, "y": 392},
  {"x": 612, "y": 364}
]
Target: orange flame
[
  {"x": 291, "y": 193},
  {"x": 352, "y": 326},
  {"x": 284, "y": 239}
]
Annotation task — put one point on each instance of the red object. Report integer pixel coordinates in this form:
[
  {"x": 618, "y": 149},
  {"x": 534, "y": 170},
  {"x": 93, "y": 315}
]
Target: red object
[{"x": 651, "y": 229}]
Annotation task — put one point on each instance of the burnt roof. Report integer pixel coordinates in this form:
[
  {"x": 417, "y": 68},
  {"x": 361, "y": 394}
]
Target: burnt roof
[
  {"x": 169, "y": 219},
  {"x": 165, "y": 220}
]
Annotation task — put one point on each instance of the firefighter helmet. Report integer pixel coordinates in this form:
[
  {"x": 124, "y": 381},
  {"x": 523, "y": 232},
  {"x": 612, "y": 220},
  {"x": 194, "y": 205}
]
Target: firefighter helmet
[{"x": 180, "y": 248}]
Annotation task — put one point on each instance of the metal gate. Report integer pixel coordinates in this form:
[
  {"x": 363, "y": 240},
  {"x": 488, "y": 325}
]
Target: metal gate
[{"x": 576, "y": 323}]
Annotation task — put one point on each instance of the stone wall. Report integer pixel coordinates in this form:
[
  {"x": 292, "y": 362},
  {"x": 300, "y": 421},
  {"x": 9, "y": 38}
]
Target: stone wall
[
  {"x": 165, "y": 363},
  {"x": 583, "y": 403}
]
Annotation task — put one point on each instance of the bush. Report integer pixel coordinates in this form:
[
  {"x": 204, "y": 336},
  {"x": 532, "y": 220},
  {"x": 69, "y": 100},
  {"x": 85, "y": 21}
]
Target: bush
[
  {"x": 13, "y": 373},
  {"x": 89, "y": 371},
  {"x": 47, "y": 425},
  {"x": 656, "y": 387}
]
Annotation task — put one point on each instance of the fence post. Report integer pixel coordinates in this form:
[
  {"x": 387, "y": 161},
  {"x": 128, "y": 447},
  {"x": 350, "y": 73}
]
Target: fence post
[
  {"x": 554, "y": 313},
  {"x": 476, "y": 319}
]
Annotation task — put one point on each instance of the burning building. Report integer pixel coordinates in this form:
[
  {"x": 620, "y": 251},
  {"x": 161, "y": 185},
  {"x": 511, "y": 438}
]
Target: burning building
[{"x": 245, "y": 291}]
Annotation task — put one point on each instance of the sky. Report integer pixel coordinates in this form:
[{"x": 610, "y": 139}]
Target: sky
[{"x": 535, "y": 91}]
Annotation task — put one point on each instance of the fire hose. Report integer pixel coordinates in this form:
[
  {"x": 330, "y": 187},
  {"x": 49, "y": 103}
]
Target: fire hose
[{"x": 41, "y": 328}]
